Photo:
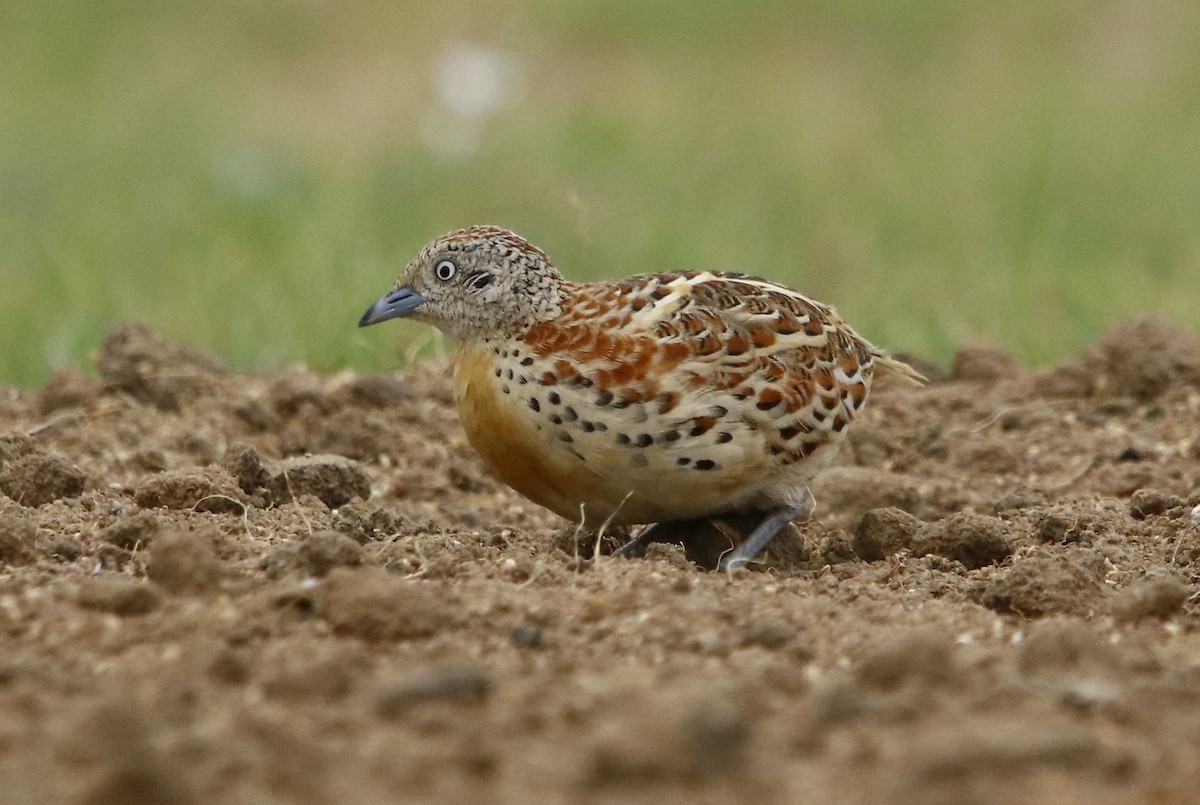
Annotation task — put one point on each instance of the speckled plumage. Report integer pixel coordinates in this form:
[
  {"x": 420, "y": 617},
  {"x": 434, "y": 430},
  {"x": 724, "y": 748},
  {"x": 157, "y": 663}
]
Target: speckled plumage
[{"x": 660, "y": 397}]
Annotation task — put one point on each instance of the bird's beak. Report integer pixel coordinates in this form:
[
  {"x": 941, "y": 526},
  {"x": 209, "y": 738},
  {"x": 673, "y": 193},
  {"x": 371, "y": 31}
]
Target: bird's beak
[{"x": 392, "y": 305}]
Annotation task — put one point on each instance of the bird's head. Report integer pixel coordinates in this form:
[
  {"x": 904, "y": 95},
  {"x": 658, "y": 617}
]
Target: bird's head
[{"x": 478, "y": 282}]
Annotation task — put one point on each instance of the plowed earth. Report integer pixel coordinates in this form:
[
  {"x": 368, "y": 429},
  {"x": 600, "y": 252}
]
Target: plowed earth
[{"x": 288, "y": 587}]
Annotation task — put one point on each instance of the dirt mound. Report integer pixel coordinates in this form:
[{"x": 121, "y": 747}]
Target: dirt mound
[{"x": 290, "y": 587}]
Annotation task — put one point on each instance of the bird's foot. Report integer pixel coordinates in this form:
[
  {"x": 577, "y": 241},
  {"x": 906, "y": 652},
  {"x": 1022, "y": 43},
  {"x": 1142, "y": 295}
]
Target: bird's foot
[{"x": 762, "y": 535}]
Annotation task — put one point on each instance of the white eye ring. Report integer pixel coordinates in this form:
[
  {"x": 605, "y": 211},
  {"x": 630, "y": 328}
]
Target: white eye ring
[{"x": 445, "y": 270}]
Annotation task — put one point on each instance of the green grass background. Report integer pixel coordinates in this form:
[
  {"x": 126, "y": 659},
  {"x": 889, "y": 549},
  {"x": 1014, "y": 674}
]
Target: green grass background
[{"x": 248, "y": 176}]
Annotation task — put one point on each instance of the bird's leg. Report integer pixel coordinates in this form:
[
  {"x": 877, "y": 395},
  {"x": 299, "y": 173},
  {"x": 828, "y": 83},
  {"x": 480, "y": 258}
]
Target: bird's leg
[
  {"x": 636, "y": 547},
  {"x": 771, "y": 525}
]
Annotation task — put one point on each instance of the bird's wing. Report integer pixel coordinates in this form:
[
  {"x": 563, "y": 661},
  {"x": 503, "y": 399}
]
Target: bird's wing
[{"x": 780, "y": 362}]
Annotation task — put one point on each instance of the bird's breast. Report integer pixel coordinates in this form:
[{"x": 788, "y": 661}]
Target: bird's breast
[
  {"x": 501, "y": 427},
  {"x": 567, "y": 442}
]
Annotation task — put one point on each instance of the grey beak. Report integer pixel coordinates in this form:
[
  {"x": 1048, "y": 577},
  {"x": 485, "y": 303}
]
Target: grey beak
[{"x": 392, "y": 305}]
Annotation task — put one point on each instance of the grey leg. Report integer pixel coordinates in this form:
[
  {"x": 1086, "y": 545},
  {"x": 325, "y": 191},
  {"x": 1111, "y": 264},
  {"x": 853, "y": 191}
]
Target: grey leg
[
  {"x": 763, "y": 534},
  {"x": 636, "y": 547}
]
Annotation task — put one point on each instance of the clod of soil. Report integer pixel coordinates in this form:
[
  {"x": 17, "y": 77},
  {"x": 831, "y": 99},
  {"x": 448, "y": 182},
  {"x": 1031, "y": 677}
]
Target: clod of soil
[
  {"x": 183, "y": 562},
  {"x": 135, "y": 360},
  {"x": 975, "y": 540},
  {"x": 364, "y": 523},
  {"x": 1142, "y": 358},
  {"x": 376, "y": 605},
  {"x": 37, "y": 479},
  {"x": 244, "y": 463},
  {"x": 1155, "y": 597},
  {"x": 1062, "y": 528},
  {"x": 14, "y": 445},
  {"x": 982, "y": 363},
  {"x": 209, "y": 489},
  {"x": 378, "y": 390},
  {"x": 1148, "y": 502},
  {"x": 335, "y": 480},
  {"x": 883, "y": 532},
  {"x": 133, "y": 531},
  {"x": 1043, "y": 585},
  {"x": 120, "y": 596},
  {"x": 17, "y": 535},
  {"x": 314, "y": 555},
  {"x": 68, "y": 388},
  {"x": 671, "y": 554}
]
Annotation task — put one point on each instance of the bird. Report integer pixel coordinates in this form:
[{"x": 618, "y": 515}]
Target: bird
[{"x": 650, "y": 400}]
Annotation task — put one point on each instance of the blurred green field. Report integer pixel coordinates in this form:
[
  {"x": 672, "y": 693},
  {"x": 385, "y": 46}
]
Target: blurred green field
[{"x": 248, "y": 176}]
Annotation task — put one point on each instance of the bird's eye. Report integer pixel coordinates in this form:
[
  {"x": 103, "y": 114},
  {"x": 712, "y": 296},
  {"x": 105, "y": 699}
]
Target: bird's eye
[{"x": 445, "y": 270}]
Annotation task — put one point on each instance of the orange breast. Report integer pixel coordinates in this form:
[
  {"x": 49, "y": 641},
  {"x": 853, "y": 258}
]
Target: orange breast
[{"x": 509, "y": 441}]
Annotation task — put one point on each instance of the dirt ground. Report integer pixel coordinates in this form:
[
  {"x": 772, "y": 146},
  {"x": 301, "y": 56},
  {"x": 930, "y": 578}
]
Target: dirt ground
[{"x": 288, "y": 587}]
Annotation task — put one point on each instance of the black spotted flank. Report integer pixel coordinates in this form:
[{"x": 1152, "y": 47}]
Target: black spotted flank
[
  {"x": 683, "y": 462},
  {"x": 556, "y": 419},
  {"x": 605, "y": 398},
  {"x": 706, "y": 464},
  {"x": 623, "y": 438},
  {"x": 644, "y": 440},
  {"x": 587, "y": 425},
  {"x": 527, "y": 361},
  {"x": 534, "y": 404},
  {"x": 554, "y": 398},
  {"x": 569, "y": 414},
  {"x": 724, "y": 436}
]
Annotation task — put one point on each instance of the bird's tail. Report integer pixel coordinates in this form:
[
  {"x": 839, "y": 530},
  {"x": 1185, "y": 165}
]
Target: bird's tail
[{"x": 885, "y": 364}]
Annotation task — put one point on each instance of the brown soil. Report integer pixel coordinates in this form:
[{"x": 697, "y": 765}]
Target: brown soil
[{"x": 293, "y": 588}]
